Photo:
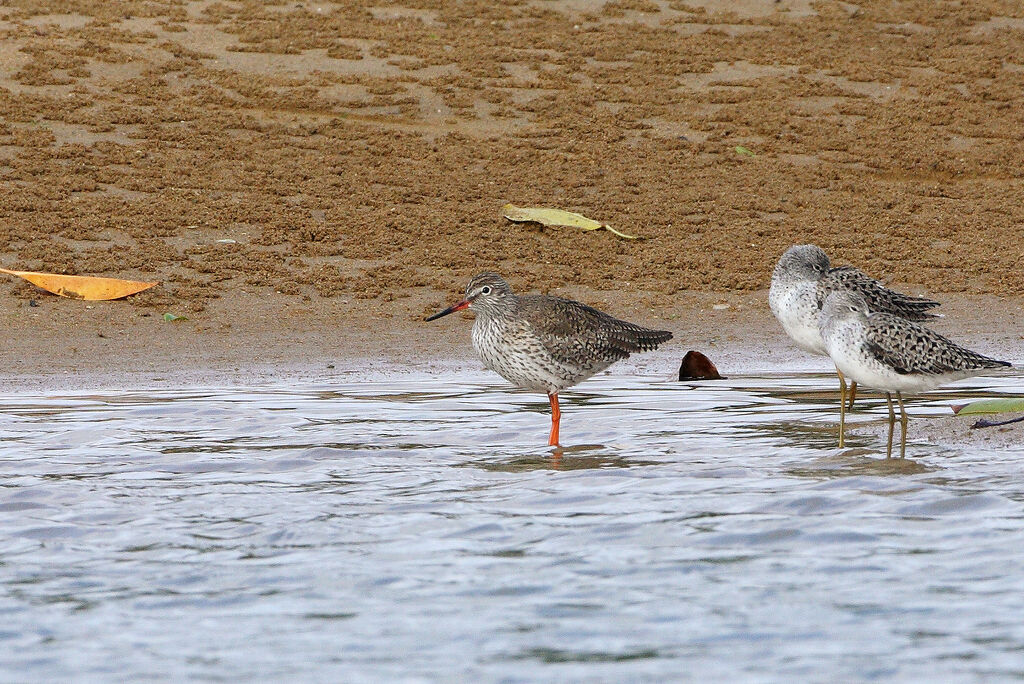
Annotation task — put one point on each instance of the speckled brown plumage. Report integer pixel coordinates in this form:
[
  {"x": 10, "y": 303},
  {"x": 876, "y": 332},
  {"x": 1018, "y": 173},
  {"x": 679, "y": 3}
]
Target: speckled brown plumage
[
  {"x": 545, "y": 343},
  {"x": 548, "y": 343},
  {"x": 570, "y": 330}
]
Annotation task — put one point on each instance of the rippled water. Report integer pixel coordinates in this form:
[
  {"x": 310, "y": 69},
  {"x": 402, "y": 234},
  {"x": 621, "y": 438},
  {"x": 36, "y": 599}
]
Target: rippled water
[{"x": 419, "y": 530}]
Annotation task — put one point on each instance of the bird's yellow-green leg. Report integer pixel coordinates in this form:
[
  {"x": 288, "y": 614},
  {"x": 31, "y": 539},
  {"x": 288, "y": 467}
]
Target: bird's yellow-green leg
[
  {"x": 892, "y": 424},
  {"x": 903, "y": 424},
  {"x": 853, "y": 394},
  {"x": 842, "y": 408}
]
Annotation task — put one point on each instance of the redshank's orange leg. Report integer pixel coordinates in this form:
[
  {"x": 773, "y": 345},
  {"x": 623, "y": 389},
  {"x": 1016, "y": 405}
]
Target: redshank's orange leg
[{"x": 556, "y": 416}]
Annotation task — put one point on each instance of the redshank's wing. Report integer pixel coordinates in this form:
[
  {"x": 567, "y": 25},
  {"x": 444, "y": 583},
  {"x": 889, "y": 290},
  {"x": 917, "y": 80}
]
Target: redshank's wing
[
  {"x": 574, "y": 331},
  {"x": 907, "y": 347},
  {"x": 879, "y": 297}
]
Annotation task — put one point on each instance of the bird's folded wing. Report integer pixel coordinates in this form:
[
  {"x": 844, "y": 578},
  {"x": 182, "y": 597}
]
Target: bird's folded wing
[
  {"x": 910, "y": 348},
  {"x": 581, "y": 331}
]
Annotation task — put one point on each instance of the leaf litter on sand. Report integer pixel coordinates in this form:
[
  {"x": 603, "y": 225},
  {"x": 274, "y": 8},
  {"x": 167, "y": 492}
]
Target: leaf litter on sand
[
  {"x": 82, "y": 287},
  {"x": 557, "y": 217}
]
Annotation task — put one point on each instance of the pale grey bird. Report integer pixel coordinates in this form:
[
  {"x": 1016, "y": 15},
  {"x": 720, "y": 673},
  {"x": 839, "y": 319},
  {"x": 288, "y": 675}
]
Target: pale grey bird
[
  {"x": 892, "y": 354},
  {"x": 543, "y": 343},
  {"x": 803, "y": 278}
]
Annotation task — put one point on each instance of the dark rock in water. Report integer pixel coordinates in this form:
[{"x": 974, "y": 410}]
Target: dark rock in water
[{"x": 696, "y": 366}]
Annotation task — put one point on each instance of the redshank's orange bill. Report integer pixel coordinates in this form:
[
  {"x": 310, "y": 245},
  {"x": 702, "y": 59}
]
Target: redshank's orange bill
[{"x": 451, "y": 309}]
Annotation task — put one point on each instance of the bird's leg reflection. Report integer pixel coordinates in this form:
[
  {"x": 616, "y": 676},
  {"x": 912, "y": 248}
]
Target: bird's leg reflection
[
  {"x": 842, "y": 408},
  {"x": 892, "y": 423},
  {"x": 903, "y": 426}
]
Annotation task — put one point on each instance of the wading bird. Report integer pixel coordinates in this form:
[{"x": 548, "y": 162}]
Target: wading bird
[
  {"x": 803, "y": 278},
  {"x": 892, "y": 354},
  {"x": 543, "y": 343}
]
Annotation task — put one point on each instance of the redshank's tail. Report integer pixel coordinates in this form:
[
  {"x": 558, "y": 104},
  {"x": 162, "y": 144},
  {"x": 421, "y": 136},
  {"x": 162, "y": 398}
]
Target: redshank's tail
[{"x": 633, "y": 338}]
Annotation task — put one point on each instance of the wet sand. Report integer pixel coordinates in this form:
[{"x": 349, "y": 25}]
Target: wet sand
[
  {"x": 949, "y": 430},
  {"x": 113, "y": 344}
]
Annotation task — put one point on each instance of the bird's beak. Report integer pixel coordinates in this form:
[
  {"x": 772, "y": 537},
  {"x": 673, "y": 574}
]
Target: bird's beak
[{"x": 451, "y": 309}]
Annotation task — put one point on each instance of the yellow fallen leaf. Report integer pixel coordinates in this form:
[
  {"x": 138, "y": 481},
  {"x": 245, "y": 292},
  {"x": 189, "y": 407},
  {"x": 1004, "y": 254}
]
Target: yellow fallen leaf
[
  {"x": 556, "y": 217},
  {"x": 82, "y": 287}
]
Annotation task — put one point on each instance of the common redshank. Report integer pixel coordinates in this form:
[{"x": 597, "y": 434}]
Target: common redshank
[
  {"x": 892, "y": 354},
  {"x": 543, "y": 343},
  {"x": 801, "y": 281}
]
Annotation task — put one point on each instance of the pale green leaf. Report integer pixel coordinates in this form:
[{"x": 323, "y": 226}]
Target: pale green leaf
[
  {"x": 557, "y": 217},
  {"x": 1004, "y": 405}
]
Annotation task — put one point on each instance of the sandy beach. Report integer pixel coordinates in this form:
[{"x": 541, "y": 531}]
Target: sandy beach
[{"x": 308, "y": 180}]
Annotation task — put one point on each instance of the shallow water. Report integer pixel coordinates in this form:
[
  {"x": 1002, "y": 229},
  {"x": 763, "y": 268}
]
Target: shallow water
[{"x": 419, "y": 530}]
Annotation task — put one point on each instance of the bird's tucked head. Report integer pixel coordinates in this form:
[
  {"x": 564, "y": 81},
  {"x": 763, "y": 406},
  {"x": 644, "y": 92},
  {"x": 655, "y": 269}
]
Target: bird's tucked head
[
  {"x": 802, "y": 262},
  {"x": 487, "y": 294},
  {"x": 843, "y": 305}
]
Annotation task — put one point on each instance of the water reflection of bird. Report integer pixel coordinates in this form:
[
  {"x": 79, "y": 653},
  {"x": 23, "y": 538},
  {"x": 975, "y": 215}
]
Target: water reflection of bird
[
  {"x": 803, "y": 278},
  {"x": 892, "y": 354},
  {"x": 546, "y": 344}
]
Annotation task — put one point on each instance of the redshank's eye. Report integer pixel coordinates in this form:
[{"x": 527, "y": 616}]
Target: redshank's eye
[{"x": 485, "y": 290}]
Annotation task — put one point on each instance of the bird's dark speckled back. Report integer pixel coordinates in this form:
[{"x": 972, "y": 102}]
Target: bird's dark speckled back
[
  {"x": 912, "y": 348},
  {"x": 578, "y": 334},
  {"x": 878, "y": 297}
]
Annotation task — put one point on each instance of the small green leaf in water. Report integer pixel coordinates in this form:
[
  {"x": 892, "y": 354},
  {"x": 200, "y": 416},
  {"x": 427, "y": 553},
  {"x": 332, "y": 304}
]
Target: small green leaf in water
[
  {"x": 172, "y": 317},
  {"x": 1006, "y": 405},
  {"x": 740, "y": 149}
]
